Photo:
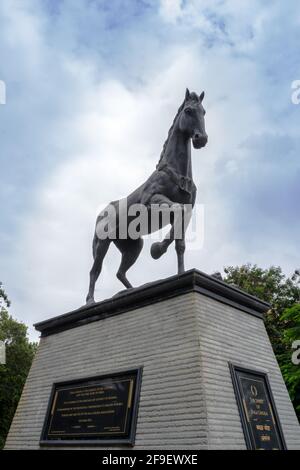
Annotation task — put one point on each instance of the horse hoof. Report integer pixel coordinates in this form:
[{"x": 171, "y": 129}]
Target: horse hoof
[
  {"x": 157, "y": 250},
  {"x": 90, "y": 301}
]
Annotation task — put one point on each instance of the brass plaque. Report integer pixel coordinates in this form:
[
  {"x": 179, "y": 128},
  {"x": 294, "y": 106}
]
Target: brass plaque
[
  {"x": 94, "y": 409},
  {"x": 257, "y": 410}
]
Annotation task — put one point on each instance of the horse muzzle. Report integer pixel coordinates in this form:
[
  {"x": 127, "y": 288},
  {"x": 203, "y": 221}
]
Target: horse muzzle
[{"x": 199, "y": 140}]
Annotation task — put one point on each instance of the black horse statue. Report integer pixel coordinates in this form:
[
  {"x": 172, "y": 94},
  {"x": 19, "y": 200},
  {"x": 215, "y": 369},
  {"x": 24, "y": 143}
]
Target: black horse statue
[{"x": 171, "y": 184}]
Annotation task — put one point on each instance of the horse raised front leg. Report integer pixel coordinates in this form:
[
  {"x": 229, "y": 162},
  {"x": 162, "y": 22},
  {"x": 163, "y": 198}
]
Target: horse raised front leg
[
  {"x": 159, "y": 248},
  {"x": 182, "y": 217}
]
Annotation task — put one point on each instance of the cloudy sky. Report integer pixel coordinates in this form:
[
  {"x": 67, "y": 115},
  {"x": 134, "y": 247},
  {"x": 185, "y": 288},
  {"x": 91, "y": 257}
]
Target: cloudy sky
[{"x": 92, "y": 89}]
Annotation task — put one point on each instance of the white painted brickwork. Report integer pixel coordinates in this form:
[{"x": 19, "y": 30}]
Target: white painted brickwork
[
  {"x": 227, "y": 334},
  {"x": 162, "y": 338},
  {"x": 184, "y": 343}
]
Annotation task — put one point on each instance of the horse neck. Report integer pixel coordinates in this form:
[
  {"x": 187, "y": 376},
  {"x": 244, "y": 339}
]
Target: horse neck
[{"x": 178, "y": 153}]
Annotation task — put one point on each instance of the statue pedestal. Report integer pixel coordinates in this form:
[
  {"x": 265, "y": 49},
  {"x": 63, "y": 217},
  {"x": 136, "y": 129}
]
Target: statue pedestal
[{"x": 186, "y": 333}]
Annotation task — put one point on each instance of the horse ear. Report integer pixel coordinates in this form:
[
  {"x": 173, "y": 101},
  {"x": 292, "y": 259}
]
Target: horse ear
[
  {"x": 201, "y": 96},
  {"x": 187, "y": 94}
]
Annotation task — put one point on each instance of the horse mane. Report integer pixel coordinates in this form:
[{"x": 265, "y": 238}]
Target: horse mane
[{"x": 170, "y": 132}]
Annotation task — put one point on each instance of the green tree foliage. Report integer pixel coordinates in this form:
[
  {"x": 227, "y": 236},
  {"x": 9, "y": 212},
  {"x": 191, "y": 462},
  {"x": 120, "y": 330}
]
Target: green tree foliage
[
  {"x": 4, "y": 302},
  {"x": 291, "y": 370},
  {"x": 19, "y": 355},
  {"x": 282, "y": 320}
]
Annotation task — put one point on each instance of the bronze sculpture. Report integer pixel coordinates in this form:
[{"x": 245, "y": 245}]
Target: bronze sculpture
[{"x": 170, "y": 185}]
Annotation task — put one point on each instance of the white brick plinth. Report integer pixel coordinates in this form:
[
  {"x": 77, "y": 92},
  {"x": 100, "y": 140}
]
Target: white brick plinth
[{"x": 183, "y": 331}]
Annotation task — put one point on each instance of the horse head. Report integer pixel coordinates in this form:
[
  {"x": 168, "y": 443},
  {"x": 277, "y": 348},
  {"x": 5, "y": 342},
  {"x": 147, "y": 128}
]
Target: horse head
[{"x": 191, "y": 119}]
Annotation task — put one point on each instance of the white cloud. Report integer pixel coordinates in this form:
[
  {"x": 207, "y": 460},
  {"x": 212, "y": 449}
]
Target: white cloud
[
  {"x": 171, "y": 10},
  {"x": 231, "y": 22},
  {"x": 103, "y": 136}
]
